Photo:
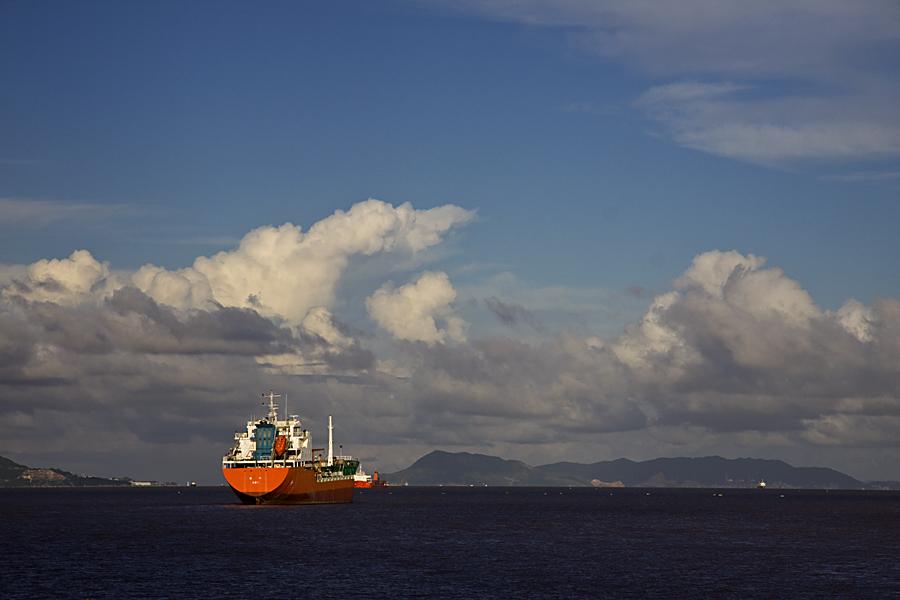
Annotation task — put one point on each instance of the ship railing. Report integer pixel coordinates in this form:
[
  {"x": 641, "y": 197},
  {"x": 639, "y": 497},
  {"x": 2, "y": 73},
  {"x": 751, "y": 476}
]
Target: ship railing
[
  {"x": 331, "y": 476},
  {"x": 282, "y": 462}
]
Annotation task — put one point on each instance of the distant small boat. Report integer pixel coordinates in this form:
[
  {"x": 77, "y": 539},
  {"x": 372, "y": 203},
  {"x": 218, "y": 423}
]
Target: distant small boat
[{"x": 361, "y": 479}]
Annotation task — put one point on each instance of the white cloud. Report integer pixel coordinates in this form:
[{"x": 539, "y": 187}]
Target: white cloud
[
  {"x": 78, "y": 278},
  {"x": 782, "y": 82},
  {"x": 419, "y": 311},
  {"x": 726, "y": 303},
  {"x": 281, "y": 272},
  {"x": 712, "y": 270},
  {"x": 184, "y": 288},
  {"x": 719, "y": 119},
  {"x": 856, "y": 319},
  {"x": 769, "y": 291},
  {"x": 641, "y": 347},
  {"x": 320, "y": 322},
  {"x": 767, "y": 37},
  {"x": 284, "y": 272}
]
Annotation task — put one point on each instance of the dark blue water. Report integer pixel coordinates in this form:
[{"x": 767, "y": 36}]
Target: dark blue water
[{"x": 450, "y": 543}]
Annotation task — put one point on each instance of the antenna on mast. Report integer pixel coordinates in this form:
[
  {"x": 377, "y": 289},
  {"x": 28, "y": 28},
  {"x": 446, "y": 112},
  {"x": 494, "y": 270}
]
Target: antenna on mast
[{"x": 273, "y": 406}]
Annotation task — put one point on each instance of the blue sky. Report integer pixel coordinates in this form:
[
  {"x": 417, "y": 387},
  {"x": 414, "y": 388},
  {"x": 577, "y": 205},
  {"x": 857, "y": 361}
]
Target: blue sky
[
  {"x": 600, "y": 147},
  {"x": 209, "y": 119}
]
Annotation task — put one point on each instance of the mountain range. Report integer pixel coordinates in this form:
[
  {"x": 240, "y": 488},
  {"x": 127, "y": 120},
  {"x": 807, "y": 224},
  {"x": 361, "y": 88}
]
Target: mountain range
[{"x": 464, "y": 468}]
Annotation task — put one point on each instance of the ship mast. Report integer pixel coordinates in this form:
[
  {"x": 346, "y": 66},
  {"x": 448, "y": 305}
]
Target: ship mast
[
  {"x": 330, "y": 442},
  {"x": 273, "y": 406}
]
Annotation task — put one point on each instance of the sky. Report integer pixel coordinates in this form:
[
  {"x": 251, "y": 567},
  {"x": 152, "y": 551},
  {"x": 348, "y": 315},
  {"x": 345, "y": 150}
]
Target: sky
[{"x": 544, "y": 230}]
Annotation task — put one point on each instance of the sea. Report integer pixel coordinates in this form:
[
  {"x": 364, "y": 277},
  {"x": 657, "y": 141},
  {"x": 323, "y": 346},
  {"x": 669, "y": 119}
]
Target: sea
[{"x": 451, "y": 542}]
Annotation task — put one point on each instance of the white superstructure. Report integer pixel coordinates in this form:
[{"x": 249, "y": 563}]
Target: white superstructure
[
  {"x": 298, "y": 440},
  {"x": 362, "y": 477},
  {"x": 271, "y": 441}
]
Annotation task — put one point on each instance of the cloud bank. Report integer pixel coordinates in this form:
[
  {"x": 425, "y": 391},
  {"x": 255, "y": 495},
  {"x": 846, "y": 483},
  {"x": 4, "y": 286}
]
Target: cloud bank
[{"x": 737, "y": 356}]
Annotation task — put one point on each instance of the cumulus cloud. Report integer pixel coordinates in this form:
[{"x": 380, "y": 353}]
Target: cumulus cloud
[
  {"x": 727, "y": 310},
  {"x": 654, "y": 342},
  {"x": 712, "y": 270},
  {"x": 76, "y": 279},
  {"x": 758, "y": 341},
  {"x": 419, "y": 311},
  {"x": 184, "y": 288},
  {"x": 856, "y": 319},
  {"x": 735, "y": 349},
  {"x": 740, "y": 280},
  {"x": 284, "y": 272}
]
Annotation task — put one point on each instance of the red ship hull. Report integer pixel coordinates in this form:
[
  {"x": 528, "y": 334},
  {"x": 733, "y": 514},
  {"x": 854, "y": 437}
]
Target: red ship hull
[{"x": 286, "y": 485}]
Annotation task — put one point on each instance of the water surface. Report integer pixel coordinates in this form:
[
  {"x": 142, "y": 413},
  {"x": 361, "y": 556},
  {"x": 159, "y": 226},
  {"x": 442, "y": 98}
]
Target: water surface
[{"x": 451, "y": 543}]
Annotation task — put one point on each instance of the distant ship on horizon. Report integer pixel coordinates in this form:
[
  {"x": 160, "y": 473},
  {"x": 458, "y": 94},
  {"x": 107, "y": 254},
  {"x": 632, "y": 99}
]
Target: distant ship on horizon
[{"x": 365, "y": 481}]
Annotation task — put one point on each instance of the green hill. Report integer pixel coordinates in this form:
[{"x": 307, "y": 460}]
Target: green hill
[{"x": 13, "y": 474}]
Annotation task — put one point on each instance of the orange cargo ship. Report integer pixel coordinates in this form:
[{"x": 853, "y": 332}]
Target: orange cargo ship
[{"x": 273, "y": 462}]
